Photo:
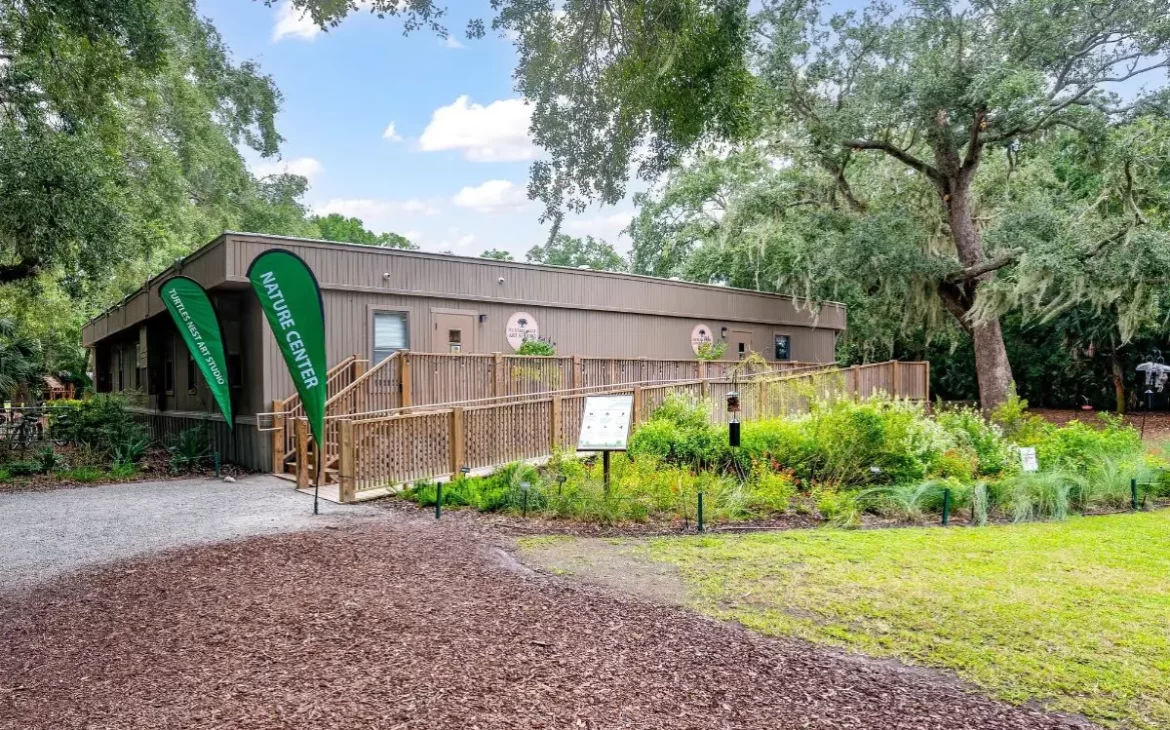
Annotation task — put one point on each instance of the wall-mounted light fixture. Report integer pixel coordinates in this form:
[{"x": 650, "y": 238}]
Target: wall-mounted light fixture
[
  {"x": 723, "y": 332},
  {"x": 482, "y": 318}
]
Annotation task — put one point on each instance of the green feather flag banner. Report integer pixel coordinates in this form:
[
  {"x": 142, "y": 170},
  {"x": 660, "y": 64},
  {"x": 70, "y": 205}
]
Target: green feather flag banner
[
  {"x": 291, "y": 300},
  {"x": 198, "y": 323}
]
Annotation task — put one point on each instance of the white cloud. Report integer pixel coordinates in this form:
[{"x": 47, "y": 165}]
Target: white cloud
[
  {"x": 306, "y": 167},
  {"x": 493, "y": 196},
  {"x": 608, "y": 227},
  {"x": 497, "y": 132},
  {"x": 453, "y": 42},
  {"x": 379, "y": 216},
  {"x": 293, "y": 23},
  {"x": 391, "y": 133}
]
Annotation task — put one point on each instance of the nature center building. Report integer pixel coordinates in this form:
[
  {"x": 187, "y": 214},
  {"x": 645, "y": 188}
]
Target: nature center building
[{"x": 379, "y": 301}]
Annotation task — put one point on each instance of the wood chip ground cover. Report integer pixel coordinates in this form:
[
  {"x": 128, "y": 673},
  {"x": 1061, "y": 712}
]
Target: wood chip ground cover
[{"x": 411, "y": 624}]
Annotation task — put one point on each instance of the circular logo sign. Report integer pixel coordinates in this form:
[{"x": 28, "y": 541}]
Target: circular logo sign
[
  {"x": 700, "y": 334},
  {"x": 521, "y": 326}
]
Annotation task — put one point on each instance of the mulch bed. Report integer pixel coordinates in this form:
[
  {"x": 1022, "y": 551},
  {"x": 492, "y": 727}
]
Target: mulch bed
[{"x": 409, "y": 623}]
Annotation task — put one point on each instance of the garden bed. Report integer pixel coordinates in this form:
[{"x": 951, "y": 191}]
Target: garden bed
[
  {"x": 154, "y": 466},
  {"x": 874, "y": 462},
  {"x": 97, "y": 441}
]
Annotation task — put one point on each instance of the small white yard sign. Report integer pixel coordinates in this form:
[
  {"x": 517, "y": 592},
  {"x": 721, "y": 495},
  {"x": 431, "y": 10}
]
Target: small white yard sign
[
  {"x": 1028, "y": 458},
  {"x": 605, "y": 423}
]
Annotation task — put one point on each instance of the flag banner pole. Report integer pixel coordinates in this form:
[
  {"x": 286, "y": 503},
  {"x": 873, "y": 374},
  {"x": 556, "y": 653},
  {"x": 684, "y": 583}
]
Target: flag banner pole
[{"x": 291, "y": 299}]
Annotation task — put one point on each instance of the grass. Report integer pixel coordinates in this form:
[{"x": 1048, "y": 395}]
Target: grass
[{"x": 1074, "y": 614}]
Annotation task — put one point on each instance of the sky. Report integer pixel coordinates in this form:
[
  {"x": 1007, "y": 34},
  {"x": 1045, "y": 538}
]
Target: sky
[{"x": 412, "y": 134}]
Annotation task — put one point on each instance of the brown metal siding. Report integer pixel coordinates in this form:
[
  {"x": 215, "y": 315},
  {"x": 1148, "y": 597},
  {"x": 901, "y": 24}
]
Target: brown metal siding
[
  {"x": 576, "y": 332},
  {"x": 205, "y": 266},
  {"x": 363, "y": 269}
]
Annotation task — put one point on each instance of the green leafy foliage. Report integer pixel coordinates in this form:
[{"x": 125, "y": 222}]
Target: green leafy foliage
[
  {"x": 537, "y": 346},
  {"x": 577, "y": 253},
  {"x": 102, "y": 423},
  {"x": 190, "y": 450},
  {"x": 711, "y": 351}
]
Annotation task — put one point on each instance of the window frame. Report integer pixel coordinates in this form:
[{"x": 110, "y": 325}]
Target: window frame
[{"x": 372, "y": 314}]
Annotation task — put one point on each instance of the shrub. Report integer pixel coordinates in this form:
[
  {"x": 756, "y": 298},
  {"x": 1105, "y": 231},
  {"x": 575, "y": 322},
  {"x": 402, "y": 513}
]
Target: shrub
[
  {"x": 971, "y": 431},
  {"x": 1016, "y": 424},
  {"x": 191, "y": 448},
  {"x": 769, "y": 492},
  {"x": 680, "y": 432},
  {"x": 5, "y": 475},
  {"x": 838, "y": 507},
  {"x": 1076, "y": 445},
  {"x": 101, "y": 423},
  {"x": 711, "y": 350},
  {"x": 49, "y": 460},
  {"x": 536, "y": 346}
]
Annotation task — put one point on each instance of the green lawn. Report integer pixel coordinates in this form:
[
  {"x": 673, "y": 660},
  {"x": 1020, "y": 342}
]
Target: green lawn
[{"x": 1074, "y": 614}]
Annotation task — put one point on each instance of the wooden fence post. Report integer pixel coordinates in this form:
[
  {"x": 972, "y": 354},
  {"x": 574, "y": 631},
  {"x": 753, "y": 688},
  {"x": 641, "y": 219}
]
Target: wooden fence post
[
  {"x": 556, "y": 432},
  {"x": 346, "y": 466},
  {"x": 497, "y": 386},
  {"x": 637, "y": 406},
  {"x": 703, "y": 369},
  {"x": 762, "y": 400},
  {"x": 926, "y": 393},
  {"x": 576, "y": 372},
  {"x": 404, "y": 380},
  {"x": 610, "y": 372},
  {"x": 278, "y": 437},
  {"x": 302, "y": 434},
  {"x": 856, "y": 382},
  {"x": 456, "y": 441},
  {"x": 894, "y": 379}
]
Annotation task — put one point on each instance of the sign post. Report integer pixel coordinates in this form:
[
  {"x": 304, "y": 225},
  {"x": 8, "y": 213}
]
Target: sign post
[{"x": 605, "y": 427}]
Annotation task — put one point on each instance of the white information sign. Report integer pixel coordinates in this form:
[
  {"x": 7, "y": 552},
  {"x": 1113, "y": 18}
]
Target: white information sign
[
  {"x": 1028, "y": 458},
  {"x": 605, "y": 424}
]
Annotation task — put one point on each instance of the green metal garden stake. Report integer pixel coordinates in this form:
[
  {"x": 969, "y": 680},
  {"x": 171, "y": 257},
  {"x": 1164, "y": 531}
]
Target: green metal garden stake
[
  {"x": 946, "y": 507},
  {"x": 438, "y": 500},
  {"x": 1133, "y": 494},
  {"x": 700, "y": 512}
]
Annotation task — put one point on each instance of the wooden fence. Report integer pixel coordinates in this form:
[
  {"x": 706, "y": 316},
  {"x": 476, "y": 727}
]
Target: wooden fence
[
  {"x": 285, "y": 412},
  {"x": 376, "y": 453},
  {"x": 408, "y": 380}
]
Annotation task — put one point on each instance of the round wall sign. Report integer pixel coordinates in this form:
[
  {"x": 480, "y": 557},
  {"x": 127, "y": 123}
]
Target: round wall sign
[
  {"x": 521, "y": 326},
  {"x": 700, "y": 334}
]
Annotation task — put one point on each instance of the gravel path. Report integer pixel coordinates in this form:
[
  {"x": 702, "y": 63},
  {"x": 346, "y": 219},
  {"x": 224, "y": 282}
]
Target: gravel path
[
  {"x": 404, "y": 623},
  {"x": 45, "y": 534}
]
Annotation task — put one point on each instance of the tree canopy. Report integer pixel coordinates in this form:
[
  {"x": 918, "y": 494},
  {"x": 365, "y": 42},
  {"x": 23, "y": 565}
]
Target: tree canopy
[
  {"x": 565, "y": 250},
  {"x": 497, "y": 254}
]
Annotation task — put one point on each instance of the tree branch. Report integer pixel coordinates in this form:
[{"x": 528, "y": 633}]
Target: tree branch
[
  {"x": 23, "y": 270},
  {"x": 984, "y": 267},
  {"x": 898, "y": 154}
]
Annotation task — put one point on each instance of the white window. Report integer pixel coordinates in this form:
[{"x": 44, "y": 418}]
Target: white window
[{"x": 389, "y": 334}]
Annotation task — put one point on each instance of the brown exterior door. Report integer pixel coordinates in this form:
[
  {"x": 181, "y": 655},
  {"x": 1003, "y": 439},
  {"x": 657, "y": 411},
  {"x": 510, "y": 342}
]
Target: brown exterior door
[
  {"x": 452, "y": 332},
  {"x": 741, "y": 344}
]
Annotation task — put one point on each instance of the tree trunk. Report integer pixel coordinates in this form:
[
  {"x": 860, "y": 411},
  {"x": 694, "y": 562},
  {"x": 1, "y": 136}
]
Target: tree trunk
[
  {"x": 1118, "y": 380},
  {"x": 992, "y": 368}
]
